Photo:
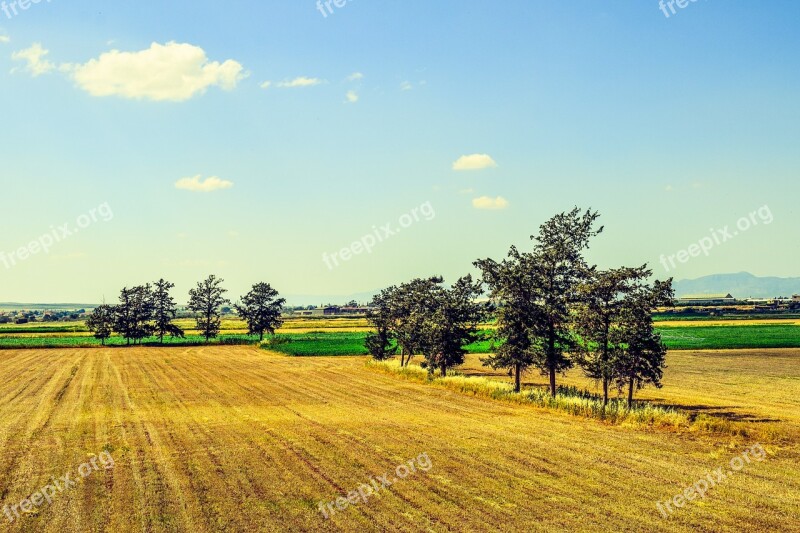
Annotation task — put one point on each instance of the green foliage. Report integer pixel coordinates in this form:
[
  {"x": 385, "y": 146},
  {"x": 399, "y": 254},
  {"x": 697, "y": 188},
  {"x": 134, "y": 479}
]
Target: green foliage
[
  {"x": 206, "y": 300},
  {"x": 261, "y": 309}
]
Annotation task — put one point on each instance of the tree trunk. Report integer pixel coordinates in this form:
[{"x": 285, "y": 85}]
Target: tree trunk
[
  {"x": 630, "y": 393},
  {"x": 605, "y": 392},
  {"x": 402, "y": 357},
  {"x": 553, "y": 382},
  {"x": 517, "y": 381},
  {"x": 443, "y": 369}
]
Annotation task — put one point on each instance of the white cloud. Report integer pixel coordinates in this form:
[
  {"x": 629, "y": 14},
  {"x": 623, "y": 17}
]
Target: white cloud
[
  {"x": 266, "y": 85},
  {"x": 210, "y": 184},
  {"x": 5, "y": 39},
  {"x": 467, "y": 191},
  {"x": 355, "y": 76},
  {"x": 34, "y": 57},
  {"x": 474, "y": 162},
  {"x": 301, "y": 81},
  {"x": 487, "y": 202},
  {"x": 352, "y": 97},
  {"x": 406, "y": 86},
  {"x": 173, "y": 72}
]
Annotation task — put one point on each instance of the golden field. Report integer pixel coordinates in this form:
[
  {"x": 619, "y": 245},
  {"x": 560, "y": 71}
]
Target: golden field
[{"x": 241, "y": 439}]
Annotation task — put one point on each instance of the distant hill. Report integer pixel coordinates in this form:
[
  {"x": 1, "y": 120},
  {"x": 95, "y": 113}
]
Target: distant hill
[{"x": 742, "y": 285}]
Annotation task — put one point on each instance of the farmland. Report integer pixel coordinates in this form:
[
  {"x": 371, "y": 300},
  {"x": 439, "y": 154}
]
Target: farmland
[
  {"x": 240, "y": 439},
  {"x": 305, "y": 337}
]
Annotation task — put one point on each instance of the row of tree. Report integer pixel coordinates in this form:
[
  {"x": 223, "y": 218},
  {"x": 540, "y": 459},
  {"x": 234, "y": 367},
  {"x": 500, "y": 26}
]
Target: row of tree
[
  {"x": 149, "y": 310},
  {"x": 553, "y": 311}
]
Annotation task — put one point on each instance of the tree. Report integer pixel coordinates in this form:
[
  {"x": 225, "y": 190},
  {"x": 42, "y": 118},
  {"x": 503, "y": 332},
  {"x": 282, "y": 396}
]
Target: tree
[
  {"x": 510, "y": 287},
  {"x": 603, "y": 301},
  {"x": 643, "y": 360},
  {"x": 133, "y": 314},
  {"x": 164, "y": 311},
  {"x": 558, "y": 267},
  {"x": 412, "y": 304},
  {"x": 101, "y": 322},
  {"x": 380, "y": 343},
  {"x": 206, "y": 300},
  {"x": 401, "y": 312},
  {"x": 452, "y": 324},
  {"x": 261, "y": 309}
]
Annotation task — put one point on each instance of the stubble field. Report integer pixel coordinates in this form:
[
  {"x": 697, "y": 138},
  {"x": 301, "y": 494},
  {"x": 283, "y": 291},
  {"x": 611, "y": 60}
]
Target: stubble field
[{"x": 240, "y": 439}]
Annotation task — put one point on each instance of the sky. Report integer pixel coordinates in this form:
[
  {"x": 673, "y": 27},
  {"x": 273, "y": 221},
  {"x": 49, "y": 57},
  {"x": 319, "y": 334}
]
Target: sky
[{"x": 338, "y": 150}]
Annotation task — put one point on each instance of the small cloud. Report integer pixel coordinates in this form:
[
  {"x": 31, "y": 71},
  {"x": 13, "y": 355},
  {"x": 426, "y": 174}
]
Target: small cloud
[
  {"x": 172, "y": 72},
  {"x": 195, "y": 184},
  {"x": 266, "y": 85},
  {"x": 181, "y": 235},
  {"x": 355, "y": 76},
  {"x": 406, "y": 86},
  {"x": 466, "y": 191},
  {"x": 301, "y": 81},
  {"x": 474, "y": 162},
  {"x": 34, "y": 57},
  {"x": 352, "y": 97},
  {"x": 5, "y": 39},
  {"x": 233, "y": 234},
  {"x": 669, "y": 188},
  {"x": 486, "y": 202}
]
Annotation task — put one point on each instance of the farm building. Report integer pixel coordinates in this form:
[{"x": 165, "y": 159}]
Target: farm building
[{"x": 706, "y": 299}]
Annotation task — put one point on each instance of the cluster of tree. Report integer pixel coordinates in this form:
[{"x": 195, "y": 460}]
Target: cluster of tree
[
  {"x": 553, "y": 311},
  {"x": 148, "y": 311},
  {"x": 425, "y": 317}
]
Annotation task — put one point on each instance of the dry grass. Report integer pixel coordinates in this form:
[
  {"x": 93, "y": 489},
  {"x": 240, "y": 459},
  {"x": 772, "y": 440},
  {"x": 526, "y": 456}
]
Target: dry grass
[{"x": 240, "y": 439}]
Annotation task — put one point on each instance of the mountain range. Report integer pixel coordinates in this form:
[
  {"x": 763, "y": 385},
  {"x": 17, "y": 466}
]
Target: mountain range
[{"x": 741, "y": 285}]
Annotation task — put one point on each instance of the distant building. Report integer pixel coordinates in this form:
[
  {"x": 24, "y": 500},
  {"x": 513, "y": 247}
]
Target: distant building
[{"x": 706, "y": 299}]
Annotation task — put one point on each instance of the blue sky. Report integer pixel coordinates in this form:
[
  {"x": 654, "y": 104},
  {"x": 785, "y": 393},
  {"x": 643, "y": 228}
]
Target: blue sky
[{"x": 669, "y": 126}]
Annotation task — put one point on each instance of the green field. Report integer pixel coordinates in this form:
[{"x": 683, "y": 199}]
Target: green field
[
  {"x": 730, "y": 337},
  {"x": 322, "y": 343},
  {"x": 319, "y": 343},
  {"x": 676, "y": 338},
  {"x": 10, "y": 343}
]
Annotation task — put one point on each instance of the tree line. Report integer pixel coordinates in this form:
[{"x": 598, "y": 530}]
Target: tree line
[
  {"x": 553, "y": 311},
  {"x": 146, "y": 311}
]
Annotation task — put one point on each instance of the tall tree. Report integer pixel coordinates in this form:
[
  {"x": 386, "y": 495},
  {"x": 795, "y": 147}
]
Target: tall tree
[
  {"x": 643, "y": 360},
  {"x": 164, "y": 311},
  {"x": 603, "y": 301},
  {"x": 206, "y": 300},
  {"x": 558, "y": 268},
  {"x": 510, "y": 286},
  {"x": 133, "y": 313},
  {"x": 101, "y": 322},
  {"x": 452, "y": 324},
  {"x": 123, "y": 315},
  {"x": 261, "y": 309}
]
